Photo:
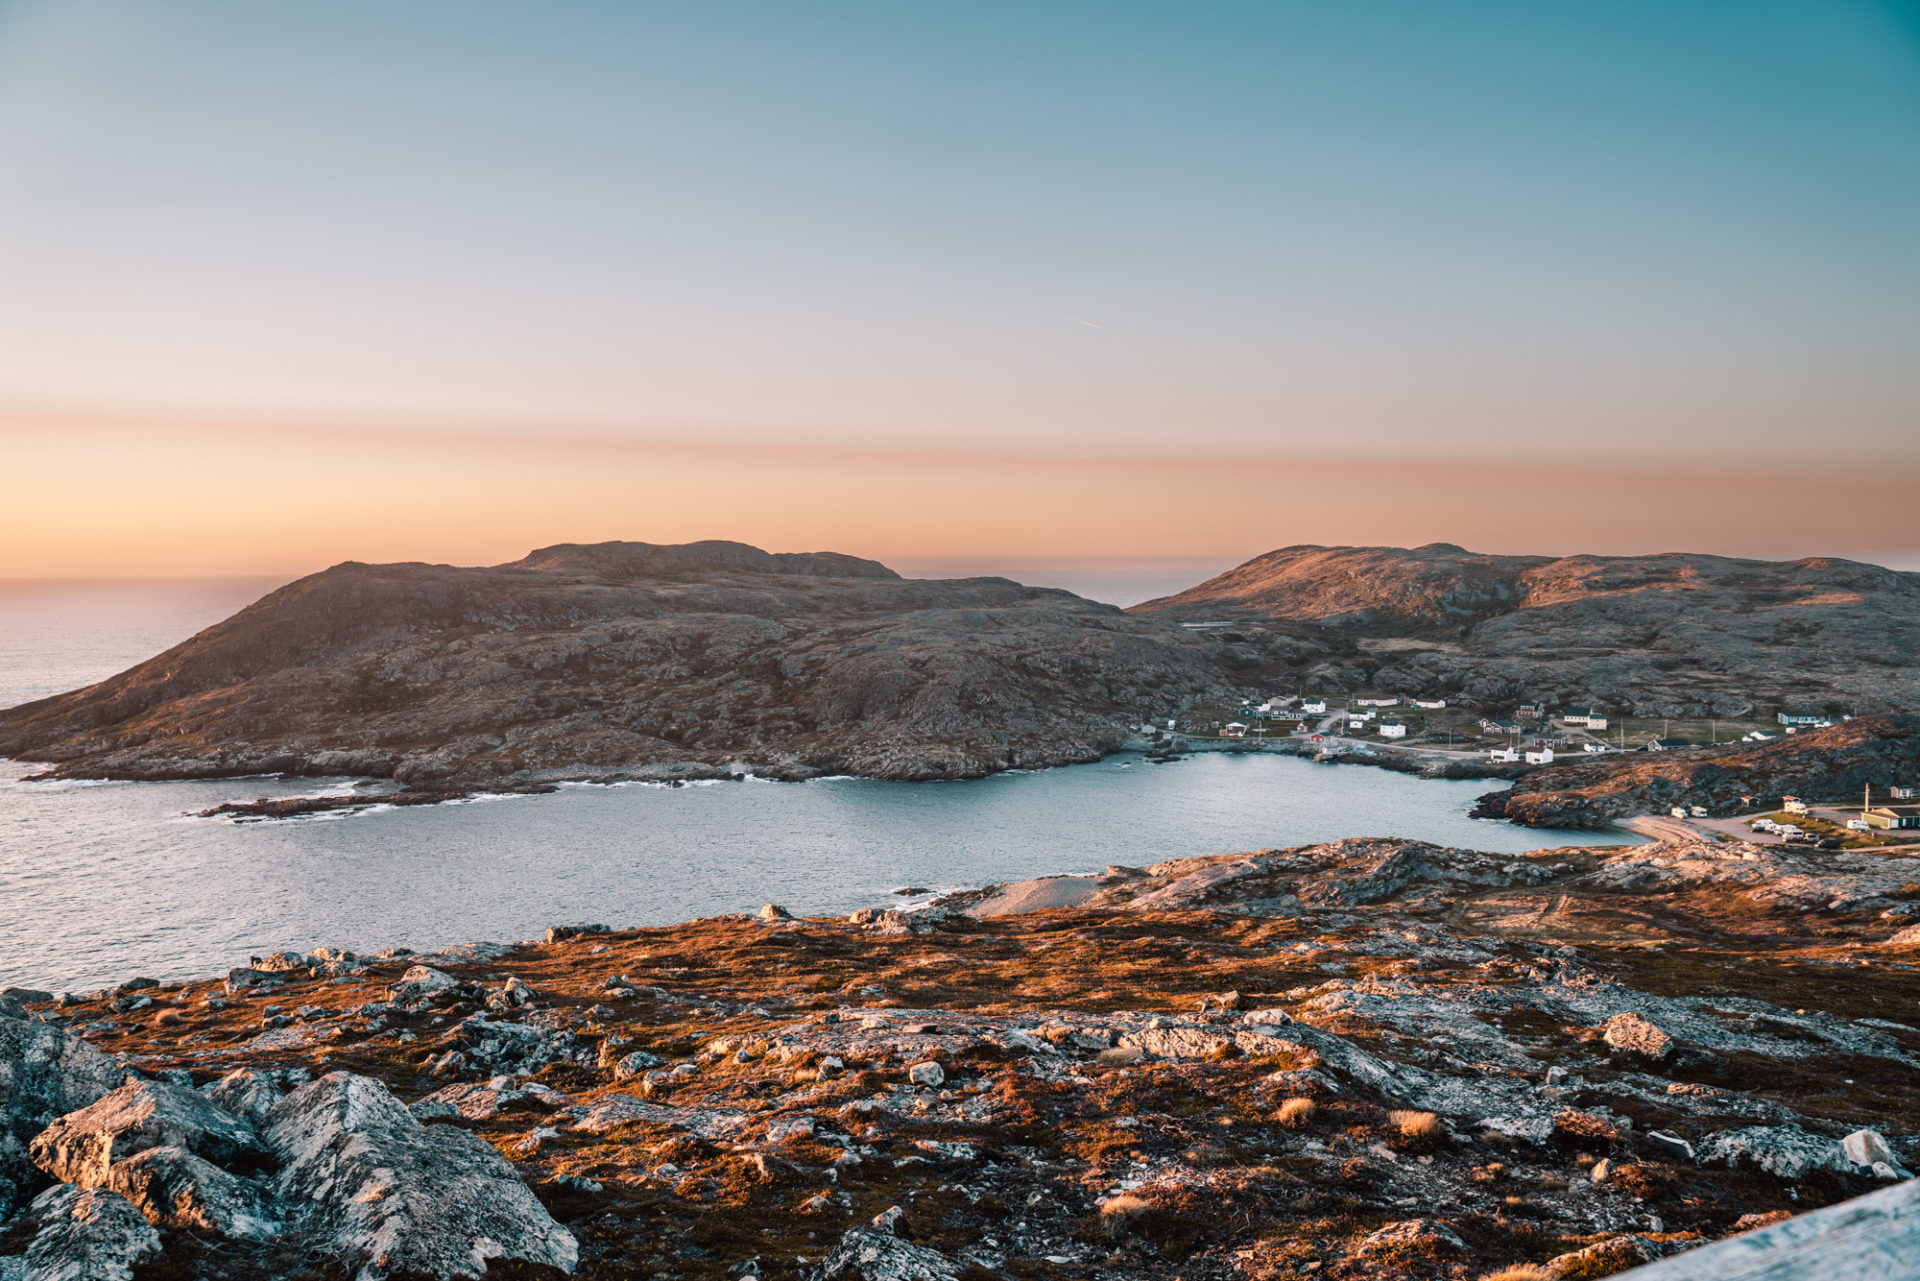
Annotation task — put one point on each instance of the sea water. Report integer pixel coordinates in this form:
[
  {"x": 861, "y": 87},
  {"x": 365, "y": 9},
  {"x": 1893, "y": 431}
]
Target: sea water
[{"x": 102, "y": 881}]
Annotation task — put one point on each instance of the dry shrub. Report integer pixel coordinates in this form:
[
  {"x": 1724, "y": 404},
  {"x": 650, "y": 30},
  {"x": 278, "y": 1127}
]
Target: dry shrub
[
  {"x": 1117, "y": 1213},
  {"x": 1520, "y": 1272},
  {"x": 1297, "y": 1114},
  {"x": 1415, "y": 1125}
]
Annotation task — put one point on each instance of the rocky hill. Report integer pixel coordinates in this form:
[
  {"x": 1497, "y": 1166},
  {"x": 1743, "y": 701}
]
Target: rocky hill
[
  {"x": 1374, "y": 1059},
  {"x": 1828, "y": 766},
  {"x": 1669, "y": 635},
  {"x": 630, "y": 660}
]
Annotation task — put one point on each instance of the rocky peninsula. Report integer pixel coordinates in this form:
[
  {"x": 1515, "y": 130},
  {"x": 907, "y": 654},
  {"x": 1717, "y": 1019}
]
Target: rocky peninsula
[
  {"x": 1373, "y": 1059},
  {"x": 624, "y": 661},
  {"x": 1823, "y": 766},
  {"x": 629, "y": 660}
]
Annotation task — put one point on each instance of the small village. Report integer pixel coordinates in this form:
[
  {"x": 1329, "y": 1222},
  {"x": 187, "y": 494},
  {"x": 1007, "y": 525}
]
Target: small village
[
  {"x": 1535, "y": 735},
  {"x": 1532, "y": 732}
]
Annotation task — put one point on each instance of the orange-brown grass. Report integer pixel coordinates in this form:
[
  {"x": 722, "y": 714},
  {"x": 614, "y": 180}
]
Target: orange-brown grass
[
  {"x": 1296, "y": 1114},
  {"x": 1415, "y": 1125}
]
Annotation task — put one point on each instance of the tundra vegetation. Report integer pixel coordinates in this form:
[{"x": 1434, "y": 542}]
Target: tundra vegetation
[{"x": 1369, "y": 1059}]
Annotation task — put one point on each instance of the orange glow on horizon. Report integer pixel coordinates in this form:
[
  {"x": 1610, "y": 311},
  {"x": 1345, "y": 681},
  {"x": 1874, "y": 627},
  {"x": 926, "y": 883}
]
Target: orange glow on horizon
[{"x": 117, "y": 499}]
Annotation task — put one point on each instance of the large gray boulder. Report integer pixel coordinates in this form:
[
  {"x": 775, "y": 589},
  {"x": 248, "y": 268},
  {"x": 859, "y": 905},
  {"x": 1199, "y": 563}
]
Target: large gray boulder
[
  {"x": 82, "y": 1146},
  {"x": 245, "y": 1093},
  {"x": 44, "y": 1072},
  {"x": 85, "y": 1234},
  {"x": 1784, "y": 1151},
  {"x": 873, "y": 1254},
  {"x": 392, "y": 1194},
  {"x": 172, "y": 1187}
]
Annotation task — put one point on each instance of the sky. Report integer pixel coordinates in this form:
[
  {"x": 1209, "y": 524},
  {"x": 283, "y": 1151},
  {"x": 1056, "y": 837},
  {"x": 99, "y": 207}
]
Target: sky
[{"x": 951, "y": 285}]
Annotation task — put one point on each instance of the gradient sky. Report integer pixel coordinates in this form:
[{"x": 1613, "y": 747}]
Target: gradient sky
[{"x": 286, "y": 284}]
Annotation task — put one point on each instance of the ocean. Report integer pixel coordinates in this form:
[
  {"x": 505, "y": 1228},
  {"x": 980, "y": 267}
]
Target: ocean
[{"x": 102, "y": 881}]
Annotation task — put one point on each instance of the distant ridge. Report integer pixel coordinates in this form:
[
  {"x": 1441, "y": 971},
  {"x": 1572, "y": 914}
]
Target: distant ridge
[{"x": 1672, "y": 634}]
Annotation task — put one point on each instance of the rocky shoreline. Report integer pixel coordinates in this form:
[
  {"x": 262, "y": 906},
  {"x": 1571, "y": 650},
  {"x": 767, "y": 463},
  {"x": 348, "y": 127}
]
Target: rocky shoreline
[{"x": 1369, "y": 1059}]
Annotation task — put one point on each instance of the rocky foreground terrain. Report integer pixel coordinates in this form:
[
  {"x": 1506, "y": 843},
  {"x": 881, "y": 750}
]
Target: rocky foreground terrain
[
  {"x": 1371, "y": 1059},
  {"x": 1670, "y": 635},
  {"x": 1821, "y": 766},
  {"x": 628, "y": 660}
]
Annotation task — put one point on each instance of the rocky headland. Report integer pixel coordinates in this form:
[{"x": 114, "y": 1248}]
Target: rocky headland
[
  {"x": 1822, "y": 766},
  {"x": 633, "y": 661},
  {"x": 1671, "y": 635},
  {"x": 629, "y": 660},
  {"x": 1374, "y": 1059}
]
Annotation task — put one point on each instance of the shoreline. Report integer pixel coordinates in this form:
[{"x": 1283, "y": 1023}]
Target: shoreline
[
  {"x": 681, "y": 773},
  {"x": 1333, "y": 1037}
]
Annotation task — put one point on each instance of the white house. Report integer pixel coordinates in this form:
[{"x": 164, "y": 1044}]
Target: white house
[
  {"x": 1797, "y": 718},
  {"x": 1430, "y": 704},
  {"x": 1903, "y": 793},
  {"x": 1595, "y": 748},
  {"x": 1377, "y": 701},
  {"x": 1314, "y": 706},
  {"x": 1233, "y": 729},
  {"x": 1542, "y": 757},
  {"x": 1503, "y": 755},
  {"x": 1367, "y": 715},
  {"x": 1585, "y": 718},
  {"x": 1356, "y": 722},
  {"x": 1793, "y": 805},
  {"x": 1393, "y": 731}
]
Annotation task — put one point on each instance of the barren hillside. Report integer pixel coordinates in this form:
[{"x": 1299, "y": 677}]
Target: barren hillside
[
  {"x": 1676, "y": 634},
  {"x": 628, "y": 659}
]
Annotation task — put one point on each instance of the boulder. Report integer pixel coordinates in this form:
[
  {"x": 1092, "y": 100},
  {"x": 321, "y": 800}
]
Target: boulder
[
  {"x": 928, "y": 1074},
  {"x": 44, "y": 1072},
  {"x": 245, "y": 977},
  {"x": 1670, "y": 1144},
  {"x": 774, "y": 912},
  {"x": 474, "y": 1100},
  {"x": 391, "y": 1194},
  {"x": 563, "y": 933},
  {"x": 284, "y": 963},
  {"x": 81, "y": 1146},
  {"x": 86, "y": 1234},
  {"x": 421, "y": 981},
  {"x": 872, "y": 1254},
  {"x": 1635, "y": 1035},
  {"x": 174, "y": 1188},
  {"x": 245, "y": 1093},
  {"x": 1427, "y": 1233},
  {"x": 512, "y": 994},
  {"x": 1604, "y": 1258},
  {"x": 1867, "y": 1147},
  {"x": 1784, "y": 1151},
  {"x": 632, "y": 1065}
]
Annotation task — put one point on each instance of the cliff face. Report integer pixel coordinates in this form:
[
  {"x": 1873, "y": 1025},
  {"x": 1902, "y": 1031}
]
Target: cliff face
[
  {"x": 1829, "y": 765},
  {"x": 1667, "y": 635},
  {"x": 630, "y": 659}
]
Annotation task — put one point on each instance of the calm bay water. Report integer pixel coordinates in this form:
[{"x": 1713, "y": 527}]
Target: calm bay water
[{"x": 99, "y": 881}]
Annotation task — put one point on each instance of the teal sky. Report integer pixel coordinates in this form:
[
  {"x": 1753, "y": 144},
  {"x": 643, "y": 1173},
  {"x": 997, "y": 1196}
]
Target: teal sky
[{"x": 1077, "y": 229}]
